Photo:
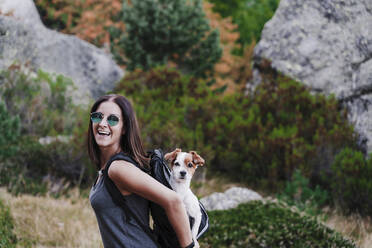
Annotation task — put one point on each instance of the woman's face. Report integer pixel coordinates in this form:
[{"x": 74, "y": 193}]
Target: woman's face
[{"x": 108, "y": 136}]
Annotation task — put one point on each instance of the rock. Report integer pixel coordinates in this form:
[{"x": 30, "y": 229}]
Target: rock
[
  {"x": 21, "y": 10},
  {"x": 231, "y": 198},
  {"x": 25, "y": 40},
  {"x": 327, "y": 45},
  {"x": 47, "y": 140}
]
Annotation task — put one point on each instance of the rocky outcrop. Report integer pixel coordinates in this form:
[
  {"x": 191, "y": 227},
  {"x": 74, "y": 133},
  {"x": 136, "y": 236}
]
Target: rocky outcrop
[
  {"x": 231, "y": 198},
  {"x": 25, "y": 40},
  {"x": 327, "y": 45}
]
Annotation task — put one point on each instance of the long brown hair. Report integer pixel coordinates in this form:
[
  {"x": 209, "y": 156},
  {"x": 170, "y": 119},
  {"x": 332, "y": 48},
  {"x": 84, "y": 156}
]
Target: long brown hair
[{"x": 130, "y": 142}]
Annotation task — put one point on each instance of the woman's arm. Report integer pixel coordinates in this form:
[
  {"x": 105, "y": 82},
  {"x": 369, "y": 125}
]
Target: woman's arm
[{"x": 128, "y": 177}]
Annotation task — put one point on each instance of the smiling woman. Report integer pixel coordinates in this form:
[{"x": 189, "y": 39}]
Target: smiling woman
[
  {"x": 107, "y": 130},
  {"x": 113, "y": 130}
]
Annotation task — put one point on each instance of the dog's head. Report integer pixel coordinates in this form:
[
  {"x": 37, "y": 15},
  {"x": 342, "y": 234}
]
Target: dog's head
[{"x": 183, "y": 164}]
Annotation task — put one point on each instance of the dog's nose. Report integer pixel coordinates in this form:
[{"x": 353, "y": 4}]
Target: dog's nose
[{"x": 183, "y": 173}]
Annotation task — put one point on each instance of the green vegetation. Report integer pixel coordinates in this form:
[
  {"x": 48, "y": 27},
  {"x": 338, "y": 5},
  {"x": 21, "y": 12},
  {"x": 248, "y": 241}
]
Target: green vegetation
[
  {"x": 167, "y": 31},
  {"x": 249, "y": 15},
  {"x": 10, "y": 132},
  {"x": 260, "y": 139},
  {"x": 258, "y": 224},
  {"x": 279, "y": 137},
  {"x": 7, "y": 238},
  {"x": 41, "y": 108},
  {"x": 41, "y": 102},
  {"x": 298, "y": 192},
  {"x": 170, "y": 108},
  {"x": 350, "y": 182}
]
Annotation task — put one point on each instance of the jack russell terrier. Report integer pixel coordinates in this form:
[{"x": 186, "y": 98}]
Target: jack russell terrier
[{"x": 183, "y": 166}]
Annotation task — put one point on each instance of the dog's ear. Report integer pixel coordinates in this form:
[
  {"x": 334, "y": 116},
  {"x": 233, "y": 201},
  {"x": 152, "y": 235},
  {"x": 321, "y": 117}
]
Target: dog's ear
[
  {"x": 171, "y": 156},
  {"x": 199, "y": 161}
]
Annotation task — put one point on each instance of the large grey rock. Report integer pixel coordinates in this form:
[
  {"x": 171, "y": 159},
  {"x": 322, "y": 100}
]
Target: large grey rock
[
  {"x": 231, "y": 198},
  {"x": 327, "y": 45},
  {"x": 24, "y": 10},
  {"x": 24, "y": 39}
]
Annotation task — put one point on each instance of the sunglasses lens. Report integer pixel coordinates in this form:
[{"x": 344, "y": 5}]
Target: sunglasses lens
[
  {"x": 96, "y": 117},
  {"x": 112, "y": 120}
]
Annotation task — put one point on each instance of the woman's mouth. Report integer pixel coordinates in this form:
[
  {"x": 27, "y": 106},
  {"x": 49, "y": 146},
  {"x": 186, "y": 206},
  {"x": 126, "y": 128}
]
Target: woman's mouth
[{"x": 104, "y": 133}]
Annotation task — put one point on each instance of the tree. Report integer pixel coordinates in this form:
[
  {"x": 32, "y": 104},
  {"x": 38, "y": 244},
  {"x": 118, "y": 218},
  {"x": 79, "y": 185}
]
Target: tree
[{"x": 160, "y": 32}]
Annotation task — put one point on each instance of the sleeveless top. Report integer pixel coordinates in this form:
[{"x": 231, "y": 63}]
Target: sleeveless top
[{"x": 116, "y": 227}]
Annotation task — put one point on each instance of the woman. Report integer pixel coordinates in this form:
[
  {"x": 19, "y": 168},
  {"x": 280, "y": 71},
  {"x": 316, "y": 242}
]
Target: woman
[{"x": 113, "y": 129}]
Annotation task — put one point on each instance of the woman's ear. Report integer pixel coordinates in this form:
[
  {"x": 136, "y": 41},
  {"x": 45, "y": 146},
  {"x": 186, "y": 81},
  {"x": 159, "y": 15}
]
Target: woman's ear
[{"x": 171, "y": 156}]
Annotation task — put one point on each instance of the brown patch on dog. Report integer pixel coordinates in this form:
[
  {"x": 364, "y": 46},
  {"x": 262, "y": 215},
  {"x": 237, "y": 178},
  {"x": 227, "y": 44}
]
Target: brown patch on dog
[
  {"x": 171, "y": 156},
  {"x": 196, "y": 159},
  {"x": 189, "y": 160}
]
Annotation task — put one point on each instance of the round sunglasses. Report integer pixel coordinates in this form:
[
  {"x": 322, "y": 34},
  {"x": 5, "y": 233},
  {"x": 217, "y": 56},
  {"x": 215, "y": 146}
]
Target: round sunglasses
[{"x": 97, "y": 117}]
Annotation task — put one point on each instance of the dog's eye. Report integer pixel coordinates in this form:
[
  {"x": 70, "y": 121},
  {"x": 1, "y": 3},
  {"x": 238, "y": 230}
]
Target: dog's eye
[
  {"x": 189, "y": 165},
  {"x": 176, "y": 164}
]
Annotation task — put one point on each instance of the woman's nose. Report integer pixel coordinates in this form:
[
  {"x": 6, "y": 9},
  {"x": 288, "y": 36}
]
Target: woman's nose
[{"x": 103, "y": 122}]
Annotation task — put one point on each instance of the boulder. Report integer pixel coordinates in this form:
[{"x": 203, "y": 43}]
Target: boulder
[
  {"x": 25, "y": 40},
  {"x": 326, "y": 45},
  {"x": 231, "y": 198}
]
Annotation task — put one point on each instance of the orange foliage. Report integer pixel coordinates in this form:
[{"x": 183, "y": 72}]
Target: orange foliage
[
  {"x": 96, "y": 18},
  {"x": 87, "y": 19},
  {"x": 232, "y": 71}
]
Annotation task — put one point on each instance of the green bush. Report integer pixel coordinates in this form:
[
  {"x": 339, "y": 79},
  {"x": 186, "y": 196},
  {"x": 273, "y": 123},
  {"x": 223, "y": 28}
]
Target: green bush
[
  {"x": 281, "y": 127},
  {"x": 249, "y": 15},
  {"x": 9, "y": 133},
  {"x": 298, "y": 192},
  {"x": 42, "y": 102},
  {"x": 350, "y": 182},
  {"x": 260, "y": 138},
  {"x": 45, "y": 110},
  {"x": 169, "y": 108},
  {"x": 7, "y": 238},
  {"x": 159, "y": 32},
  {"x": 258, "y": 224}
]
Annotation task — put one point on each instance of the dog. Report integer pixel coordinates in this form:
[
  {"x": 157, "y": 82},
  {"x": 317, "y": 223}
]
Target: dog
[{"x": 183, "y": 166}]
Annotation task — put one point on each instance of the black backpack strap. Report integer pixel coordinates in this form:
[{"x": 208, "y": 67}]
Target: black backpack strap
[{"x": 119, "y": 199}]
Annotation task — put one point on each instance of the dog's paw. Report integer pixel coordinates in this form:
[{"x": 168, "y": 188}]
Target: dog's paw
[{"x": 196, "y": 244}]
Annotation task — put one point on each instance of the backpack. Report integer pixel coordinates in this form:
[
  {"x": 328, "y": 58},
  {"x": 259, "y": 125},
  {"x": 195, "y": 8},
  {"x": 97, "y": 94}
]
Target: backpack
[{"x": 162, "y": 234}]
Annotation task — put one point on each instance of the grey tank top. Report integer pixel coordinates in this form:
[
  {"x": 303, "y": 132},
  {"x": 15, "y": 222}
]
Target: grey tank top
[{"x": 117, "y": 230}]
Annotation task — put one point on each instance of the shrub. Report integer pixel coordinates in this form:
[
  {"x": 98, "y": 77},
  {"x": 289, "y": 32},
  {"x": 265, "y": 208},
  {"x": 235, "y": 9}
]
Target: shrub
[
  {"x": 298, "y": 192},
  {"x": 167, "y": 31},
  {"x": 249, "y": 15},
  {"x": 7, "y": 237},
  {"x": 42, "y": 102},
  {"x": 169, "y": 107},
  {"x": 9, "y": 133},
  {"x": 87, "y": 19},
  {"x": 258, "y": 224},
  {"x": 45, "y": 110},
  {"x": 350, "y": 182},
  {"x": 279, "y": 129},
  {"x": 260, "y": 139},
  {"x": 231, "y": 72}
]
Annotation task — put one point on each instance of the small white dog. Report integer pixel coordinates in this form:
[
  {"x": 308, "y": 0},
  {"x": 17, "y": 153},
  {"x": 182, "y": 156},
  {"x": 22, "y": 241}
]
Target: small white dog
[{"x": 183, "y": 166}]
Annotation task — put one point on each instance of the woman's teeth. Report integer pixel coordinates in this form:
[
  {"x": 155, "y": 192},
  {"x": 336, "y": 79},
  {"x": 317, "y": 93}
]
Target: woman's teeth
[{"x": 103, "y": 133}]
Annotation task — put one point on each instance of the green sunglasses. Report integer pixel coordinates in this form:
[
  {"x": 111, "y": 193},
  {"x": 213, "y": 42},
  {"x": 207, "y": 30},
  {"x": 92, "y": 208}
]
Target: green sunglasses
[{"x": 97, "y": 117}]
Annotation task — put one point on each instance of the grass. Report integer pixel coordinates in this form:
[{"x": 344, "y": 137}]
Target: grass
[
  {"x": 70, "y": 221},
  {"x": 354, "y": 226},
  {"x": 49, "y": 222},
  {"x": 7, "y": 237}
]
